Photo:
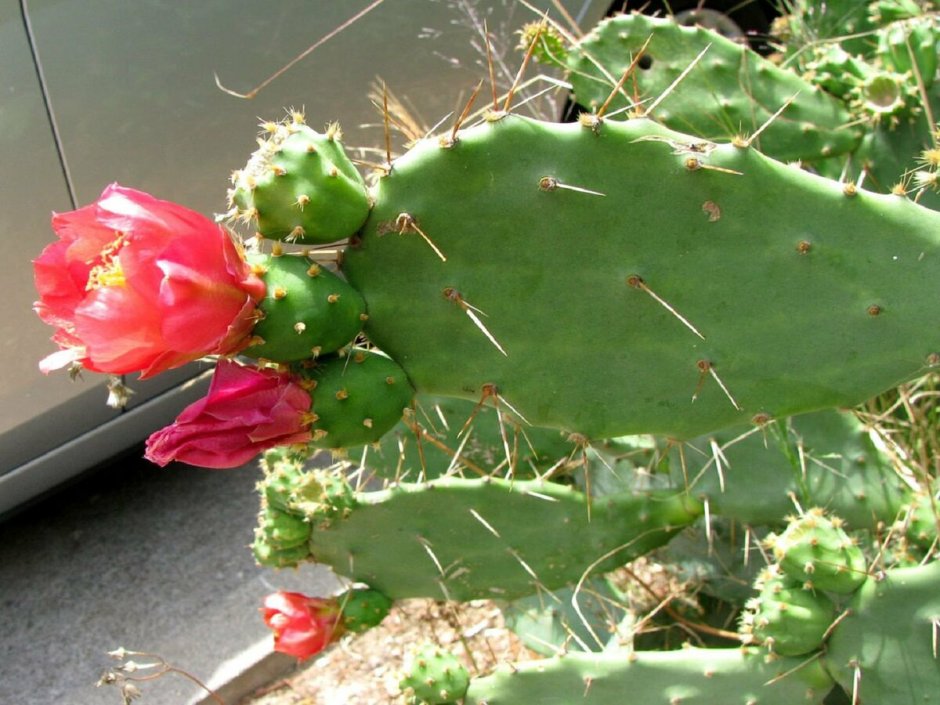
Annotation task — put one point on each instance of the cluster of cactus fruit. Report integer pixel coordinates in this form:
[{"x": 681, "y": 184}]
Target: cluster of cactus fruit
[{"x": 539, "y": 351}]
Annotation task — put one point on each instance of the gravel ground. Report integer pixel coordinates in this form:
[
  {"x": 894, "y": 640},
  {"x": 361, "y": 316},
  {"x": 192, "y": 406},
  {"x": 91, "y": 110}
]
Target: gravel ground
[{"x": 365, "y": 669}]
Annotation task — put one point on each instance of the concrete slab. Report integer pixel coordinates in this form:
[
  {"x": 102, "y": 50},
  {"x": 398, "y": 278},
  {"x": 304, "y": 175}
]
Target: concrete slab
[{"x": 145, "y": 558}]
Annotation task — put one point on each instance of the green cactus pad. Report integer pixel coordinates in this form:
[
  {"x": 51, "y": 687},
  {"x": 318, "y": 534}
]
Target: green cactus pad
[
  {"x": 358, "y": 398},
  {"x": 466, "y": 539},
  {"x": 301, "y": 187},
  {"x": 816, "y": 550},
  {"x": 434, "y": 677},
  {"x": 363, "y": 608},
  {"x": 687, "y": 677},
  {"x": 732, "y": 91},
  {"x": 787, "y": 618},
  {"x": 589, "y": 314},
  {"x": 307, "y": 310},
  {"x": 808, "y": 22},
  {"x": 571, "y": 620},
  {"x": 824, "y": 458},
  {"x": 446, "y": 446},
  {"x": 885, "y": 648}
]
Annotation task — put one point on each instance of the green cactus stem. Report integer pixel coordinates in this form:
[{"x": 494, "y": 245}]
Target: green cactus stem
[
  {"x": 824, "y": 458},
  {"x": 455, "y": 436}
]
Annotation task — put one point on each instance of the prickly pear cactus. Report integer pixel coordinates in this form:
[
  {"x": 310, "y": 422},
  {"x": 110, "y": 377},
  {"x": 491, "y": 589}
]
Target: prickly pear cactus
[
  {"x": 448, "y": 435},
  {"x": 364, "y": 608},
  {"x": 759, "y": 477},
  {"x": 541, "y": 352},
  {"x": 360, "y": 396},
  {"x": 661, "y": 282}
]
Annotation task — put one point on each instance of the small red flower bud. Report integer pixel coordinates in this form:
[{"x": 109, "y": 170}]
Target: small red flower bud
[{"x": 303, "y": 626}]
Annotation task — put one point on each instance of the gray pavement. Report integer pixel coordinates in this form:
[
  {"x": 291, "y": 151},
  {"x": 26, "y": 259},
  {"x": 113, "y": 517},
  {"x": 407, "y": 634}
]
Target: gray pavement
[{"x": 146, "y": 558}]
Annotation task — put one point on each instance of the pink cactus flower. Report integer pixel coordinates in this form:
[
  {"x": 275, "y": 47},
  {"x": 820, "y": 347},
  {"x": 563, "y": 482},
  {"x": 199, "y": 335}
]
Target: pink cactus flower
[
  {"x": 139, "y": 284},
  {"x": 246, "y": 411},
  {"x": 303, "y": 626}
]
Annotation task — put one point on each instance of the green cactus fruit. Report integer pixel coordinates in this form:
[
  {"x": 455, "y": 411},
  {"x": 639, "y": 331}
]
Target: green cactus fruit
[
  {"x": 885, "y": 96},
  {"x": 357, "y": 398},
  {"x": 549, "y": 46},
  {"x": 289, "y": 460},
  {"x": 323, "y": 496},
  {"x": 835, "y": 70},
  {"x": 466, "y": 539},
  {"x": 279, "y": 484},
  {"x": 785, "y": 617},
  {"x": 434, "y": 677},
  {"x": 687, "y": 676},
  {"x": 317, "y": 496},
  {"x": 363, "y": 608},
  {"x": 653, "y": 262},
  {"x": 300, "y": 186},
  {"x": 815, "y": 550},
  {"x": 282, "y": 530},
  {"x": 884, "y": 651},
  {"x": 921, "y": 522},
  {"x": 910, "y": 47},
  {"x": 272, "y": 557},
  {"x": 307, "y": 310},
  {"x": 731, "y": 89}
]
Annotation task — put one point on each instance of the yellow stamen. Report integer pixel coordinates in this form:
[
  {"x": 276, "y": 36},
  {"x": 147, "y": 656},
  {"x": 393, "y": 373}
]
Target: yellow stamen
[{"x": 109, "y": 272}]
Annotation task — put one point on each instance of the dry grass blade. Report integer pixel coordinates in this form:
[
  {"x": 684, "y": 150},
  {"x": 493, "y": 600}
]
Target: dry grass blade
[{"x": 300, "y": 57}]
